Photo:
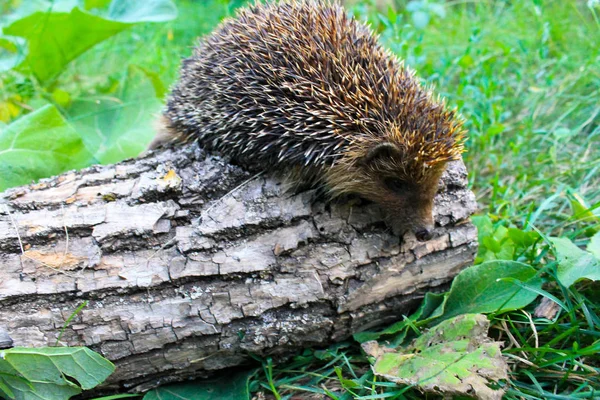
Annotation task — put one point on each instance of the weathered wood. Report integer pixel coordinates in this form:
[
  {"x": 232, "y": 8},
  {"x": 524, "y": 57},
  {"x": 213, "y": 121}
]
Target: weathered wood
[{"x": 189, "y": 263}]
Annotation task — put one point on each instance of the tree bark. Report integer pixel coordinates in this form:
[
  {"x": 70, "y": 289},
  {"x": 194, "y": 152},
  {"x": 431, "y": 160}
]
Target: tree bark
[{"x": 189, "y": 264}]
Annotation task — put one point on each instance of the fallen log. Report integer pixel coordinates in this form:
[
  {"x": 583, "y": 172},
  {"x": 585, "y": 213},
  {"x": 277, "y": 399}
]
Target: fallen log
[{"x": 189, "y": 264}]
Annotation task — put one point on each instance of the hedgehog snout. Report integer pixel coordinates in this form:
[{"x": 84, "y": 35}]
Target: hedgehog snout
[
  {"x": 424, "y": 234},
  {"x": 413, "y": 216},
  {"x": 423, "y": 226},
  {"x": 411, "y": 220},
  {"x": 421, "y": 232}
]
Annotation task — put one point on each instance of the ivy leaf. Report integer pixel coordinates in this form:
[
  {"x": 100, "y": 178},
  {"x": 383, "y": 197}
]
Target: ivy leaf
[{"x": 455, "y": 357}]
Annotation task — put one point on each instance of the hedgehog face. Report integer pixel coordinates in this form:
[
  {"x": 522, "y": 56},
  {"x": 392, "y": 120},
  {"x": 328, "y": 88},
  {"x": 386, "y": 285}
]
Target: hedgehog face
[
  {"x": 382, "y": 176},
  {"x": 408, "y": 205}
]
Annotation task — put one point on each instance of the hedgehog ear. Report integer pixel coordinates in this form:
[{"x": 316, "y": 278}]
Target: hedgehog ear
[{"x": 381, "y": 150}]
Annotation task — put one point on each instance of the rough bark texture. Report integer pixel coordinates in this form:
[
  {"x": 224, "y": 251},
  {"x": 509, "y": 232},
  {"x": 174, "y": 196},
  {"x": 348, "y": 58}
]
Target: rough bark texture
[{"x": 189, "y": 264}]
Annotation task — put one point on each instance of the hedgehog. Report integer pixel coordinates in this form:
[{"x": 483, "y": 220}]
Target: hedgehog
[{"x": 301, "y": 86}]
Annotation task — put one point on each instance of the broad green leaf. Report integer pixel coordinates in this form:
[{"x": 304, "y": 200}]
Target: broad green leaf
[
  {"x": 454, "y": 357},
  {"x": 500, "y": 233},
  {"x": 573, "y": 263},
  {"x": 39, "y": 145},
  {"x": 56, "y": 38},
  {"x": 119, "y": 126},
  {"x": 42, "y": 390},
  {"x": 10, "y": 379},
  {"x": 500, "y": 242},
  {"x": 521, "y": 238},
  {"x": 594, "y": 245},
  {"x": 5, "y": 391},
  {"x": 491, "y": 244},
  {"x": 430, "y": 305},
  {"x": 495, "y": 243},
  {"x": 63, "y": 31},
  {"x": 485, "y": 229},
  {"x": 481, "y": 288},
  {"x": 48, "y": 373},
  {"x": 227, "y": 388},
  {"x": 498, "y": 249}
]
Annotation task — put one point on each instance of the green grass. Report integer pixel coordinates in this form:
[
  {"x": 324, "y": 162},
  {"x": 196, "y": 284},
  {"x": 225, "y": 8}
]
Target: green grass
[{"x": 526, "y": 77}]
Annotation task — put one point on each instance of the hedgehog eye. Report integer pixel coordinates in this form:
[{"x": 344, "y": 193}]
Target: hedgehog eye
[{"x": 396, "y": 185}]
